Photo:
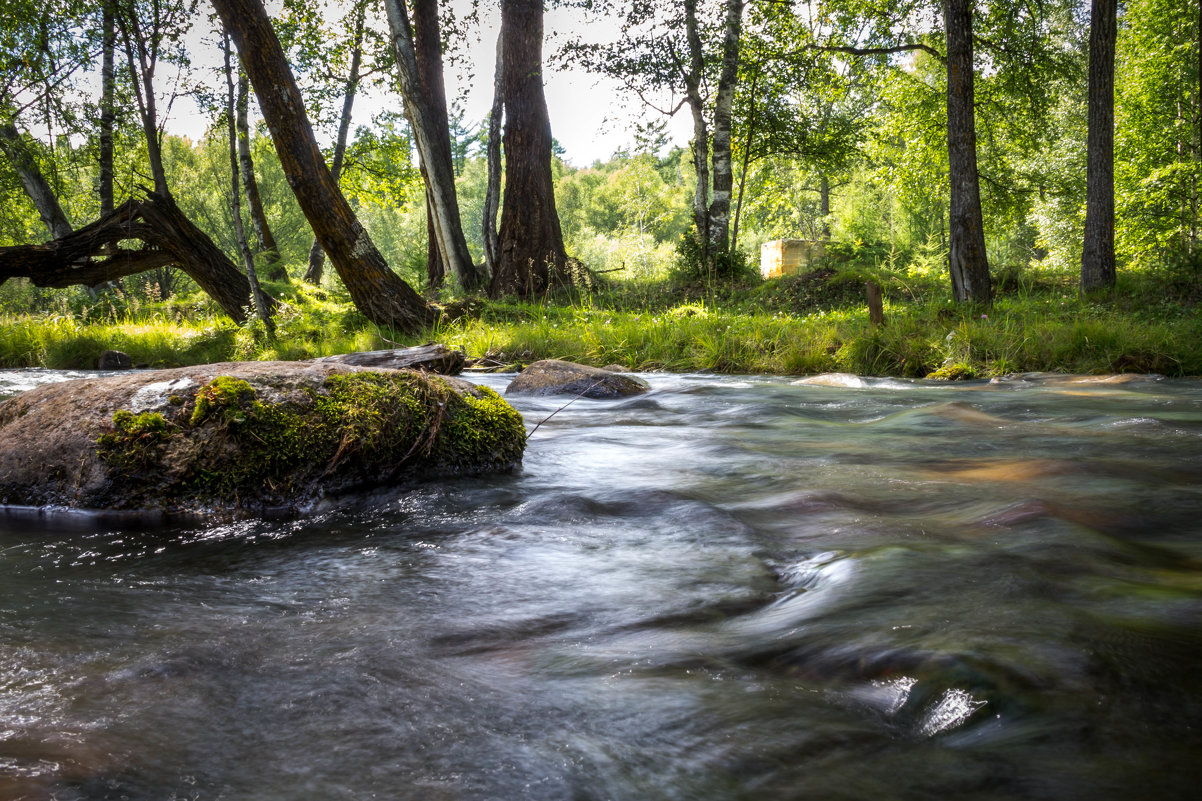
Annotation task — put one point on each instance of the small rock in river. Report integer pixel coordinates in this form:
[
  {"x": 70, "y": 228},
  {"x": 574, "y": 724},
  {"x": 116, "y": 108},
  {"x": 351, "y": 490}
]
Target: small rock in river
[
  {"x": 555, "y": 377},
  {"x": 114, "y": 360}
]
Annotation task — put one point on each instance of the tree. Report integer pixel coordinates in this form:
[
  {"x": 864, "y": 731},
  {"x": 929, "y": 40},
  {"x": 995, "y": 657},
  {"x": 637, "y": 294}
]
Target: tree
[
  {"x": 377, "y": 292},
  {"x": 233, "y": 112},
  {"x": 420, "y": 84},
  {"x": 533, "y": 258},
  {"x": 1097, "y": 260},
  {"x": 316, "y": 254},
  {"x": 967, "y": 260},
  {"x": 1158, "y": 132},
  {"x": 17, "y": 151},
  {"x": 246, "y": 166},
  {"x": 690, "y": 50},
  {"x": 492, "y": 195}
]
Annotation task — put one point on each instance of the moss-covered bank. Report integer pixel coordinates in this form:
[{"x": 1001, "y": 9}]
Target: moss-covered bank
[{"x": 250, "y": 437}]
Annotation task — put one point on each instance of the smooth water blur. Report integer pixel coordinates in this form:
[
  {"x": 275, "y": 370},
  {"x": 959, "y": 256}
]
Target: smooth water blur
[{"x": 730, "y": 588}]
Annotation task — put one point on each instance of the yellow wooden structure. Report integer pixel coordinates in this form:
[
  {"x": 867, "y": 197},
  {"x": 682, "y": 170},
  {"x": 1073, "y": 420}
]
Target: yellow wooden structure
[{"x": 788, "y": 256}]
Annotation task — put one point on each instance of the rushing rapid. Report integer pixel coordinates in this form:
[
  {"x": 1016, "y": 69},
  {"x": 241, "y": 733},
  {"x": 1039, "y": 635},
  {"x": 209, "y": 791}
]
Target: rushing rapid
[{"x": 728, "y": 588}]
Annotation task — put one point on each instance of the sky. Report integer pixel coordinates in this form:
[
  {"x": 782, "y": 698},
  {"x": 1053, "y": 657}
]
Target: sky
[{"x": 591, "y": 117}]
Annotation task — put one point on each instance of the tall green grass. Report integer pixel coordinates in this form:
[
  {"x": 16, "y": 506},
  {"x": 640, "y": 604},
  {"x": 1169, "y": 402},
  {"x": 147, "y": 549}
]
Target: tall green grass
[{"x": 794, "y": 326}]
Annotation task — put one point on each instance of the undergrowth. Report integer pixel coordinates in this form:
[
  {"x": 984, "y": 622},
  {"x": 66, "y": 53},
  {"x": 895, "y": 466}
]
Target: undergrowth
[{"x": 804, "y": 324}]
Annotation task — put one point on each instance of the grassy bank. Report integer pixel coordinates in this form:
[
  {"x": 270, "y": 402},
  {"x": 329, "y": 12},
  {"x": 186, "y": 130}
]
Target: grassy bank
[{"x": 800, "y": 325}]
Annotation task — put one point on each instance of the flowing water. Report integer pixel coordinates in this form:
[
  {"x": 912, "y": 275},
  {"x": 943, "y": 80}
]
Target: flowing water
[{"x": 729, "y": 588}]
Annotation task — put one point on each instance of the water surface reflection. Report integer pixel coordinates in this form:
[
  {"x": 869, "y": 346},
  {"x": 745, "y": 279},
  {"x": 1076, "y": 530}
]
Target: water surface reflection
[{"x": 731, "y": 588}]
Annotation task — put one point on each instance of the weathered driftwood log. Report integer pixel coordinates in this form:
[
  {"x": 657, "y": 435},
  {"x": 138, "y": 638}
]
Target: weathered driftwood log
[
  {"x": 245, "y": 437},
  {"x": 432, "y": 357},
  {"x": 95, "y": 253}
]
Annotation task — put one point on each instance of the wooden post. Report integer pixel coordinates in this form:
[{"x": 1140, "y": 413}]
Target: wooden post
[{"x": 876, "y": 308}]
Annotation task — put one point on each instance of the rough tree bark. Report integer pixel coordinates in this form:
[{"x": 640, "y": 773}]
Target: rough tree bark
[
  {"x": 108, "y": 83},
  {"x": 427, "y": 46},
  {"x": 966, "y": 257},
  {"x": 317, "y": 256},
  {"x": 492, "y": 197},
  {"x": 431, "y": 136},
  {"x": 1097, "y": 258},
  {"x": 532, "y": 252},
  {"x": 233, "y": 112},
  {"x": 35, "y": 184},
  {"x": 94, "y": 253},
  {"x": 246, "y": 165},
  {"x": 379, "y": 293}
]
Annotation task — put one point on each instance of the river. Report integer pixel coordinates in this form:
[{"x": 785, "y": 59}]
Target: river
[{"x": 728, "y": 588}]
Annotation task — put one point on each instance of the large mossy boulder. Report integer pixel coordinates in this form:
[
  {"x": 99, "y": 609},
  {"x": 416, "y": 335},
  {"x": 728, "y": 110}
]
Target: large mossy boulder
[
  {"x": 555, "y": 377},
  {"x": 246, "y": 437}
]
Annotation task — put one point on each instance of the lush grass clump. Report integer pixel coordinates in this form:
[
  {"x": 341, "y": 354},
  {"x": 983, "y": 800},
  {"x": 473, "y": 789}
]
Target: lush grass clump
[{"x": 805, "y": 324}]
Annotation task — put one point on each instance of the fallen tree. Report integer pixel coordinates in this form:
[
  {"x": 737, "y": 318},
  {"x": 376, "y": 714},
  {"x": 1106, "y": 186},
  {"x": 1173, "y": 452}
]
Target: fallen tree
[{"x": 99, "y": 252}]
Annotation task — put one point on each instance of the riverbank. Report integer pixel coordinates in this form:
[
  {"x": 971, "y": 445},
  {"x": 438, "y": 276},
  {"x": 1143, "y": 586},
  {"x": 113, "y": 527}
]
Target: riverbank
[{"x": 801, "y": 325}]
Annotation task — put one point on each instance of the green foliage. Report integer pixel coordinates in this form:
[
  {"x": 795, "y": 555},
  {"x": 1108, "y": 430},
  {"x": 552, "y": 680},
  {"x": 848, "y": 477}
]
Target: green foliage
[
  {"x": 1158, "y": 132},
  {"x": 694, "y": 266}
]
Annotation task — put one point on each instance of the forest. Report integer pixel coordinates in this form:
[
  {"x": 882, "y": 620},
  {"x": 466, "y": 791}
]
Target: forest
[{"x": 1017, "y": 183}]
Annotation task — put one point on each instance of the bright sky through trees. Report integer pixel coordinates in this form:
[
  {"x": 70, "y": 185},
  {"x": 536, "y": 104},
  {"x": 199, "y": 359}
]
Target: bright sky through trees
[{"x": 590, "y": 117}]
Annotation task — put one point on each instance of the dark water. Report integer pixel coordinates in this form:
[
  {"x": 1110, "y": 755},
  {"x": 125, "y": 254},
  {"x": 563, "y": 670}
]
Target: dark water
[{"x": 726, "y": 589}]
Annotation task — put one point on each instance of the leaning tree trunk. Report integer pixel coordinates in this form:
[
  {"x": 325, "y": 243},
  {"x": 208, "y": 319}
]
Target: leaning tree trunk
[
  {"x": 379, "y": 293},
  {"x": 36, "y": 186},
  {"x": 97, "y": 253},
  {"x": 431, "y": 134},
  {"x": 719, "y": 209},
  {"x": 246, "y": 165},
  {"x": 532, "y": 253},
  {"x": 1097, "y": 258},
  {"x": 317, "y": 256},
  {"x": 966, "y": 258},
  {"x": 492, "y": 197}
]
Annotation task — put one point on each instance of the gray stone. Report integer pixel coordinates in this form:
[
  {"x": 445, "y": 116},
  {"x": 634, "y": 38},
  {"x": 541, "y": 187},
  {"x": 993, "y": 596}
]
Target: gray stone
[
  {"x": 114, "y": 360},
  {"x": 555, "y": 377}
]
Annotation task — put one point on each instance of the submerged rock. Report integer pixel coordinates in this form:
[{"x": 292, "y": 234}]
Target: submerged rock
[
  {"x": 246, "y": 437},
  {"x": 555, "y": 377}
]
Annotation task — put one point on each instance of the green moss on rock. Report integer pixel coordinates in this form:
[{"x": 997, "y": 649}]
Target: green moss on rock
[{"x": 230, "y": 445}]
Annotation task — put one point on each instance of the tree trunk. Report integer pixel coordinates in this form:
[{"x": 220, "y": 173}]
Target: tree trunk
[
  {"x": 317, "y": 256},
  {"x": 427, "y": 47},
  {"x": 235, "y": 113},
  {"x": 533, "y": 258},
  {"x": 1097, "y": 258},
  {"x": 967, "y": 260},
  {"x": 258, "y": 219},
  {"x": 377, "y": 292},
  {"x": 734, "y": 229},
  {"x": 36, "y": 186},
  {"x": 719, "y": 210},
  {"x": 824, "y": 206},
  {"x": 492, "y": 197},
  {"x": 141, "y": 71},
  {"x": 108, "y": 83},
  {"x": 95, "y": 253},
  {"x": 430, "y": 131},
  {"x": 701, "y": 144}
]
